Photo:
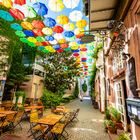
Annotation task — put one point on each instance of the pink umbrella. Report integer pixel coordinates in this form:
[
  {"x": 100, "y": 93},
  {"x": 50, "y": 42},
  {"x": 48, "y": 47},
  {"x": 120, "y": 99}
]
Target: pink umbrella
[{"x": 58, "y": 29}]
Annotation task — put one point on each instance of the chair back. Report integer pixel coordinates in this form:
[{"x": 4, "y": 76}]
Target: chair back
[
  {"x": 10, "y": 117},
  {"x": 19, "y": 115},
  {"x": 34, "y": 116}
]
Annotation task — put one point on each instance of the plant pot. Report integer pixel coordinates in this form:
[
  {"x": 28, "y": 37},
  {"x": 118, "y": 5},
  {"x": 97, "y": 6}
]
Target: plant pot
[
  {"x": 119, "y": 125},
  {"x": 112, "y": 130},
  {"x": 96, "y": 105}
]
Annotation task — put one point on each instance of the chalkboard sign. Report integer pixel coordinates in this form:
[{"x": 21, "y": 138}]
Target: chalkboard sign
[{"x": 132, "y": 76}]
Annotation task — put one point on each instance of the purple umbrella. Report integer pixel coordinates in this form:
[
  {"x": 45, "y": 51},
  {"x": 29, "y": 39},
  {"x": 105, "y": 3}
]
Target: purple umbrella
[
  {"x": 68, "y": 34},
  {"x": 50, "y": 22},
  {"x": 40, "y": 8}
]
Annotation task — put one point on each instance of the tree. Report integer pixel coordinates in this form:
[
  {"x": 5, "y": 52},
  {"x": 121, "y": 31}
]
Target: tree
[{"x": 60, "y": 71}]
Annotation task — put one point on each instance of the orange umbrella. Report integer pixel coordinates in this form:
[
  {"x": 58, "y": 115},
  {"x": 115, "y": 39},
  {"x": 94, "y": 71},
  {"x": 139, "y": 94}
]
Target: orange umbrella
[
  {"x": 81, "y": 23},
  {"x": 27, "y": 25},
  {"x": 38, "y": 24},
  {"x": 62, "y": 19},
  {"x": 20, "y": 2},
  {"x": 38, "y": 32},
  {"x": 63, "y": 46}
]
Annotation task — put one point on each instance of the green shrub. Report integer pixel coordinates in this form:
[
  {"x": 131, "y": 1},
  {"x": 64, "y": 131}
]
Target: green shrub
[
  {"x": 84, "y": 86},
  {"x": 107, "y": 114},
  {"x": 115, "y": 114},
  {"x": 124, "y": 136},
  {"x": 76, "y": 90}
]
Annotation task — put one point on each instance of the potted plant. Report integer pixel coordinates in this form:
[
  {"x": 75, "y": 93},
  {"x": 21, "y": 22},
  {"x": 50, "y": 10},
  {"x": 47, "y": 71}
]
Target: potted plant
[
  {"x": 107, "y": 114},
  {"x": 124, "y": 136},
  {"x": 84, "y": 86},
  {"x": 111, "y": 127}
]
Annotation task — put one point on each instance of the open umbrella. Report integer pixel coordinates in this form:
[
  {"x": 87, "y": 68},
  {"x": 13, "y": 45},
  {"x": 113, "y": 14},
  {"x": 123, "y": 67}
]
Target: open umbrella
[
  {"x": 24, "y": 40},
  {"x": 60, "y": 50},
  {"x": 62, "y": 19},
  {"x": 56, "y": 5},
  {"x": 68, "y": 34},
  {"x": 81, "y": 23},
  {"x": 7, "y": 3},
  {"x": 6, "y": 16},
  {"x": 38, "y": 24},
  {"x": 38, "y": 44},
  {"x": 58, "y": 29},
  {"x": 28, "y": 33},
  {"x": 71, "y": 3},
  {"x": 78, "y": 31},
  {"x": 41, "y": 48},
  {"x": 63, "y": 46},
  {"x": 58, "y": 36},
  {"x": 20, "y": 34},
  {"x": 54, "y": 42},
  {"x": 47, "y": 31},
  {"x": 16, "y": 13},
  {"x": 32, "y": 39},
  {"x": 40, "y": 39},
  {"x": 67, "y": 49},
  {"x": 40, "y": 8},
  {"x": 56, "y": 47},
  {"x": 27, "y": 25},
  {"x": 28, "y": 11},
  {"x": 16, "y": 26},
  {"x": 50, "y": 22},
  {"x": 49, "y": 38},
  {"x": 75, "y": 15},
  {"x": 61, "y": 41},
  {"x": 76, "y": 54},
  {"x": 45, "y": 43},
  {"x": 74, "y": 47},
  {"x": 69, "y": 27},
  {"x": 20, "y": 2},
  {"x": 38, "y": 32}
]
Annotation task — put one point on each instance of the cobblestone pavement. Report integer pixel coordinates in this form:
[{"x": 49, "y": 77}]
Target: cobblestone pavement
[{"x": 88, "y": 127}]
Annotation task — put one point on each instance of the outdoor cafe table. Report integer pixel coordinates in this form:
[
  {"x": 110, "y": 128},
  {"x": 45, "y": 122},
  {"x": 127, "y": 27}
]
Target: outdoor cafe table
[
  {"x": 7, "y": 112},
  {"x": 29, "y": 108}
]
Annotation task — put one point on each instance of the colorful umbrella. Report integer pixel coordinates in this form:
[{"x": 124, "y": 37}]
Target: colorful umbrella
[
  {"x": 38, "y": 24},
  {"x": 27, "y": 25},
  {"x": 71, "y": 3},
  {"x": 45, "y": 43},
  {"x": 50, "y": 22},
  {"x": 58, "y": 29},
  {"x": 76, "y": 54},
  {"x": 38, "y": 32},
  {"x": 24, "y": 40},
  {"x": 20, "y": 2},
  {"x": 81, "y": 23},
  {"x": 49, "y": 38},
  {"x": 40, "y": 39},
  {"x": 67, "y": 49},
  {"x": 28, "y": 33},
  {"x": 16, "y": 26},
  {"x": 6, "y": 16},
  {"x": 16, "y": 13},
  {"x": 58, "y": 36},
  {"x": 20, "y": 34},
  {"x": 40, "y": 8},
  {"x": 78, "y": 31},
  {"x": 74, "y": 51},
  {"x": 54, "y": 42},
  {"x": 61, "y": 41},
  {"x": 28, "y": 11},
  {"x": 69, "y": 27},
  {"x": 56, "y": 5},
  {"x": 60, "y": 50},
  {"x": 40, "y": 48},
  {"x": 74, "y": 47},
  {"x": 32, "y": 39},
  {"x": 62, "y": 19},
  {"x": 68, "y": 34},
  {"x": 63, "y": 46},
  {"x": 47, "y": 31},
  {"x": 7, "y": 3},
  {"x": 83, "y": 49},
  {"x": 56, "y": 47},
  {"x": 75, "y": 15},
  {"x": 38, "y": 44}
]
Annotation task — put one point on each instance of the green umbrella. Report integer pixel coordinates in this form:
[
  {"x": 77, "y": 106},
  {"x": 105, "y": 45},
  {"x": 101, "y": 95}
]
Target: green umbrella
[
  {"x": 20, "y": 34},
  {"x": 40, "y": 39},
  {"x": 67, "y": 49},
  {"x": 29, "y": 12},
  {"x": 24, "y": 40}
]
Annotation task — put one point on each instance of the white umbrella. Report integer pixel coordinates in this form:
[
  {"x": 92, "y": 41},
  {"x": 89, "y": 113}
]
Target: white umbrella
[
  {"x": 58, "y": 36},
  {"x": 75, "y": 15},
  {"x": 71, "y": 3}
]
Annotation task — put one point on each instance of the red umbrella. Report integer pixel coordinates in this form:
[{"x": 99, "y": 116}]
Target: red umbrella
[
  {"x": 58, "y": 29},
  {"x": 38, "y": 24},
  {"x": 76, "y": 54},
  {"x": 83, "y": 49},
  {"x": 38, "y": 32},
  {"x": 79, "y": 35},
  {"x": 60, "y": 51},
  {"x": 16, "y": 13},
  {"x": 63, "y": 46},
  {"x": 20, "y": 2},
  {"x": 45, "y": 43}
]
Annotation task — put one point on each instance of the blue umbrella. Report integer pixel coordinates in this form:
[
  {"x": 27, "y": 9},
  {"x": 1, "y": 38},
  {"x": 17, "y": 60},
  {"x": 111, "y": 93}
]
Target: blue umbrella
[
  {"x": 6, "y": 15},
  {"x": 50, "y": 22},
  {"x": 75, "y": 51},
  {"x": 80, "y": 42},
  {"x": 40, "y": 8},
  {"x": 16, "y": 26},
  {"x": 49, "y": 38},
  {"x": 68, "y": 34},
  {"x": 56, "y": 47},
  {"x": 28, "y": 33}
]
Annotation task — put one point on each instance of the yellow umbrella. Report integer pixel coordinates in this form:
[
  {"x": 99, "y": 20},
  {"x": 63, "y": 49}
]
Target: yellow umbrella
[
  {"x": 78, "y": 31},
  {"x": 61, "y": 41},
  {"x": 81, "y": 23},
  {"x": 74, "y": 47},
  {"x": 56, "y": 5},
  {"x": 69, "y": 27},
  {"x": 50, "y": 48},
  {"x": 47, "y": 31},
  {"x": 32, "y": 39},
  {"x": 73, "y": 44},
  {"x": 62, "y": 19},
  {"x": 27, "y": 25},
  {"x": 7, "y": 3},
  {"x": 82, "y": 46}
]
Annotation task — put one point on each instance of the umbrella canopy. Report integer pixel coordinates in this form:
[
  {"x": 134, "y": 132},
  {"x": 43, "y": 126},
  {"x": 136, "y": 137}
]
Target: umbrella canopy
[
  {"x": 7, "y": 3},
  {"x": 58, "y": 29},
  {"x": 40, "y": 39},
  {"x": 24, "y": 40},
  {"x": 32, "y": 39},
  {"x": 49, "y": 38},
  {"x": 28, "y": 11},
  {"x": 68, "y": 34},
  {"x": 6, "y": 16},
  {"x": 74, "y": 47},
  {"x": 17, "y": 14},
  {"x": 60, "y": 50},
  {"x": 69, "y": 27},
  {"x": 76, "y": 54},
  {"x": 78, "y": 31},
  {"x": 81, "y": 23},
  {"x": 75, "y": 15},
  {"x": 58, "y": 36},
  {"x": 56, "y": 47},
  {"x": 38, "y": 24},
  {"x": 45, "y": 43},
  {"x": 47, "y": 31},
  {"x": 20, "y": 2},
  {"x": 16, "y": 26},
  {"x": 62, "y": 19},
  {"x": 28, "y": 33},
  {"x": 50, "y": 22},
  {"x": 61, "y": 41},
  {"x": 20, "y": 34},
  {"x": 38, "y": 32},
  {"x": 63, "y": 46},
  {"x": 54, "y": 42},
  {"x": 56, "y": 5},
  {"x": 40, "y": 8},
  {"x": 27, "y": 25},
  {"x": 71, "y": 3}
]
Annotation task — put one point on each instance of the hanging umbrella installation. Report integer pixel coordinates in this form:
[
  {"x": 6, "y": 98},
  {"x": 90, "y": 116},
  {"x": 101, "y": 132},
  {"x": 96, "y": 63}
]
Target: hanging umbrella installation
[
  {"x": 20, "y": 2},
  {"x": 75, "y": 15},
  {"x": 50, "y": 22},
  {"x": 16, "y": 26},
  {"x": 69, "y": 27},
  {"x": 71, "y": 3},
  {"x": 38, "y": 24},
  {"x": 62, "y": 19},
  {"x": 58, "y": 29},
  {"x": 28, "y": 11},
  {"x": 6, "y": 16},
  {"x": 81, "y": 23},
  {"x": 68, "y": 34},
  {"x": 7, "y": 3},
  {"x": 27, "y": 25}
]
